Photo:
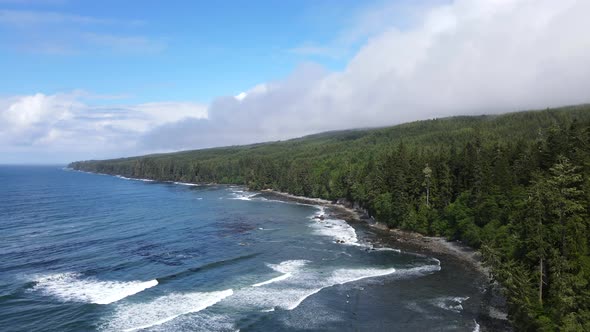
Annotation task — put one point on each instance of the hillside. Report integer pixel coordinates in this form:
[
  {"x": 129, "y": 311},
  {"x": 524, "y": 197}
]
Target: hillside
[
  {"x": 515, "y": 185},
  {"x": 241, "y": 164}
]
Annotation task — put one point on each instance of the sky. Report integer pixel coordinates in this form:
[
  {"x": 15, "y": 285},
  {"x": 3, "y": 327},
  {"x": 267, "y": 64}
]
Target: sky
[{"x": 102, "y": 79}]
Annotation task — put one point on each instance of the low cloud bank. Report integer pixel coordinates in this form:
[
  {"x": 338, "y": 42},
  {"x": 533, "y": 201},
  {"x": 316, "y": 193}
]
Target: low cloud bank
[{"x": 467, "y": 57}]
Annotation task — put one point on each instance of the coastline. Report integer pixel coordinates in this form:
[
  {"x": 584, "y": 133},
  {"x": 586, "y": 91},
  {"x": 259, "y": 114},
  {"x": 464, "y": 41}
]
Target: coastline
[
  {"x": 493, "y": 316},
  {"x": 432, "y": 244},
  {"x": 416, "y": 241}
]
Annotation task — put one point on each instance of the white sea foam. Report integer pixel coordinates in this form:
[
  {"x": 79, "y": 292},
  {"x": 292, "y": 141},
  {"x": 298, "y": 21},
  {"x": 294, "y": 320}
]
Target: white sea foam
[
  {"x": 242, "y": 195},
  {"x": 203, "y": 320},
  {"x": 299, "y": 280},
  {"x": 418, "y": 270},
  {"x": 313, "y": 283},
  {"x": 289, "y": 266},
  {"x": 186, "y": 184},
  {"x": 291, "y": 298},
  {"x": 137, "y": 316},
  {"x": 133, "y": 179},
  {"x": 451, "y": 303},
  {"x": 476, "y": 327},
  {"x": 337, "y": 229},
  {"x": 268, "y": 229},
  {"x": 343, "y": 276},
  {"x": 72, "y": 287},
  {"x": 296, "y": 296},
  {"x": 286, "y": 267},
  {"x": 297, "y": 283},
  {"x": 386, "y": 249},
  {"x": 270, "y": 281}
]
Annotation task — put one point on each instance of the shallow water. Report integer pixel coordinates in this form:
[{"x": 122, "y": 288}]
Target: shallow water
[{"x": 82, "y": 252}]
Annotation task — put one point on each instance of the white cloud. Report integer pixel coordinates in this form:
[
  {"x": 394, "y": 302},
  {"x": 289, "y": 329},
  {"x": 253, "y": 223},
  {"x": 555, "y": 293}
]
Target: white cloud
[
  {"x": 468, "y": 57},
  {"x": 158, "y": 113},
  {"x": 240, "y": 96},
  {"x": 28, "y": 119},
  {"x": 32, "y": 110},
  {"x": 65, "y": 122},
  {"x": 257, "y": 89}
]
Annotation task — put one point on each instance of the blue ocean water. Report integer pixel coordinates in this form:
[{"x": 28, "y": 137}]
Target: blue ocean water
[{"x": 86, "y": 252}]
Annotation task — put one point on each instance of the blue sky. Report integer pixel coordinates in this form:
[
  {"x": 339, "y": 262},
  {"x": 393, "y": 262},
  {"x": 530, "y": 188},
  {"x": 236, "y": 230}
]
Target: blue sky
[
  {"x": 105, "y": 79},
  {"x": 172, "y": 50}
]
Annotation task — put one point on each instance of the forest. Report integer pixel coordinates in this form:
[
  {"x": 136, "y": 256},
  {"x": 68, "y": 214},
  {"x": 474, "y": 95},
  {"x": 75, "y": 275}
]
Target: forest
[{"x": 515, "y": 186}]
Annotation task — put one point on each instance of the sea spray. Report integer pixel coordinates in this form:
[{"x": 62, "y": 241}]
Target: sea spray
[
  {"x": 74, "y": 287},
  {"x": 137, "y": 316}
]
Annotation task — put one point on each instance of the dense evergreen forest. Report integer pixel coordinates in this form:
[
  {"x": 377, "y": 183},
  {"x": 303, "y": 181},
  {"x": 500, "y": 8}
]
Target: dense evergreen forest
[{"x": 516, "y": 186}]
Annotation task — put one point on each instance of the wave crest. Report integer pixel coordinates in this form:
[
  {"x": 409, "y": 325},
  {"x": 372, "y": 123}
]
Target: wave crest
[
  {"x": 137, "y": 316},
  {"x": 71, "y": 287}
]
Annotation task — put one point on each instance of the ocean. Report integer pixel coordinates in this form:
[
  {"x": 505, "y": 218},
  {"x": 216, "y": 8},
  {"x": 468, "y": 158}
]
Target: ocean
[{"x": 90, "y": 252}]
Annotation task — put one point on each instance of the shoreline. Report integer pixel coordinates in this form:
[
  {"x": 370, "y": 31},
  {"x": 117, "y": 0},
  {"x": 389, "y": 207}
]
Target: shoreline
[
  {"x": 433, "y": 244},
  {"x": 339, "y": 210},
  {"x": 436, "y": 245},
  {"x": 493, "y": 315}
]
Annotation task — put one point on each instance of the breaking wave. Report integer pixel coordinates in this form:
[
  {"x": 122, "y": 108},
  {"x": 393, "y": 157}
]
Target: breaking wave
[
  {"x": 71, "y": 287},
  {"x": 452, "y": 303},
  {"x": 297, "y": 282},
  {"x": 242, "y": 195},
  {"x": 337, "y": 229},
  {"x": 286, "y": 267},
  {"x": 137, "y": 316},
  {"x": 186, "y": 184},
  {"x": 133, "y": 179}
]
